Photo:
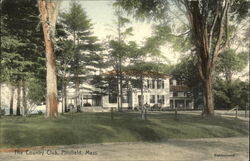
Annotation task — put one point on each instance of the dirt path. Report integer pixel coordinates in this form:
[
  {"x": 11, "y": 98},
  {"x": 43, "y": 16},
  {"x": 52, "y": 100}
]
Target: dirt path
[{"x": 213, "y": 149}]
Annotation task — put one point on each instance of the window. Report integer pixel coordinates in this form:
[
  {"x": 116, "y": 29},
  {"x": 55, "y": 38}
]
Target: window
[
  {"x": 125, "y": 98},
  {"x": 160, "y": 84},
  {"x": 112, "y": 98},
  {"x": 160, "y": 99},
  {"x": 175, "y": 94},
  {"x": 152, "y": 98},
  {"x": 153, "y": 84},
  {"x": 150, "y": 84},
  {"x": 171, "y": 82}
]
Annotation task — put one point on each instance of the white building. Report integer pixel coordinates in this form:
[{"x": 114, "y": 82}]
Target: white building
[
  {"x": 157, "y": 91},
  {"x": 180, "y": 96}
]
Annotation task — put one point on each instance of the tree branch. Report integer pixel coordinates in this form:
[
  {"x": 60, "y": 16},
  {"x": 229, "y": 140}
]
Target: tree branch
[
  {"x": 212, "y": 29},
  {"x": 218, "y": 42},
  {"x": 227, "y": 30},
  {"x": 200, "y": 70}
]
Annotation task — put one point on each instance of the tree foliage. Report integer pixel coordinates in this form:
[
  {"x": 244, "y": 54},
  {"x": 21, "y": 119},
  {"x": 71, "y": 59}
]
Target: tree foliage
[
  {"x": 81, "y": 56},
  {"x": 22, "y": 51},
  {"x": 231, "y": 63},
  {"x": 228, "y": 95},
  {"x": 209, "y": 23}
]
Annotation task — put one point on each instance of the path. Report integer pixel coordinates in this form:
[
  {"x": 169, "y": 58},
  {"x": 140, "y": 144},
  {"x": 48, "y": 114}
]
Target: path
[{"x": 210, "y": 149}]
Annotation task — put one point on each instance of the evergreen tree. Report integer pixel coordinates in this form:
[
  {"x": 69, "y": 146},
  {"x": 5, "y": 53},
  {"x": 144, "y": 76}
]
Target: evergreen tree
[
  {"x": 118, "y": 54},
  {"x": 22, "y": 55},
  {"x": 86, "y": 51}
]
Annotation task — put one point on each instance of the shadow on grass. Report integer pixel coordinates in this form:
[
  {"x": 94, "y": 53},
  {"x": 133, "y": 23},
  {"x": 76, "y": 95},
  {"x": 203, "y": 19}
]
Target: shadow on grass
[
  {"x": 206, "y": 123},
  {"x": 82, "y": 128}
]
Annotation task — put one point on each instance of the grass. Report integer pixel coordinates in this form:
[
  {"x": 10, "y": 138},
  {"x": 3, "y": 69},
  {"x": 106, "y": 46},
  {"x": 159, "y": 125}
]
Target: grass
[{"x": 82, "y": 128}]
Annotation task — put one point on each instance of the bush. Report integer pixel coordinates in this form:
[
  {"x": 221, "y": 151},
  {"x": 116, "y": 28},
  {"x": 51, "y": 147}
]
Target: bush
[
  {"x": 87, "y": 104},
  {"x": 227, "y": 95},
  {"x": 2, "y": 112},
  {"x": 155, "y": 107},
  {"x": 40, "y": 112}
]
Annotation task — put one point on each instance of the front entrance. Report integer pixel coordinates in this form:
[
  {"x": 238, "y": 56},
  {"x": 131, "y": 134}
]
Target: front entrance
[
  {"x": 91, "y": 100},
  {"x": 97, "y": 100},
  {"x": 177, "y": 104},
  {"x": 130, "y": 99}
]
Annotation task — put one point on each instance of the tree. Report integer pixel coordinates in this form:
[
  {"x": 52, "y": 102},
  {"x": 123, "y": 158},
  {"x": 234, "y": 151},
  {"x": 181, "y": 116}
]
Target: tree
[
  {"x": 64, "y": 57},
  {"x": 118, "y": 50},
  {"x": 85, "y": 50},
  {"x": 230, "y": 63},
  {"x": 36, "y": 94},
  {"x": 186, "y": 73},
  {"x": 209, "y": 22},
  {"x": 138, "y": 68},
  {"x": 49, "y": 12},
  {"x": 76, "y": 21},
  {"x": 141, "y": 70},
  {"x": 10, "y": 57},
  {"x": 21, "y": 56},
  {"x": 228, "y": 94},
  {"x": 64, "y": 54}
]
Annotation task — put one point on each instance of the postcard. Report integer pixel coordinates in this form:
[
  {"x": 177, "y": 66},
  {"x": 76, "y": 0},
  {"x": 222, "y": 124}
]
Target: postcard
[{"x": 123, "y": 80}]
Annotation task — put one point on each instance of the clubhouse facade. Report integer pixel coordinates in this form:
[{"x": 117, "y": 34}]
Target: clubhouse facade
[{"x": 162, "y": 91}]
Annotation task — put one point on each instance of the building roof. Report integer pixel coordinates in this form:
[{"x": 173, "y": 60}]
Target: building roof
[{"x": 139, "y": 73}]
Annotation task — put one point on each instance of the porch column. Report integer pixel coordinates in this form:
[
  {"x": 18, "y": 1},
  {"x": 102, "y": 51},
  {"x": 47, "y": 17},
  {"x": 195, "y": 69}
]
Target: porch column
[
  {"x": 92, "y": 100},
  {"x": 185, "y": 103},
  {"x": 174, "y": 103},
  {"x": 82, "y": 100}
]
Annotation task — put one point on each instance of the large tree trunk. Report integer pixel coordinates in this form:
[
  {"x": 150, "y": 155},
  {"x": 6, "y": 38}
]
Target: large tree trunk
[
  {"x": 208, "y": 44},
  {"x": 51, "y": 79},
  {"x": 18, "y": 106},
  {"x": 207, "y": 87},
  {"x": 24, "y": 98},
  {"x": 12, "y": 91}
]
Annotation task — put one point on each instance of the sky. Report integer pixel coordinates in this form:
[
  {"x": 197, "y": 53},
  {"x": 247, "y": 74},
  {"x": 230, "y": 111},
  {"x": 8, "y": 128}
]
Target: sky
[{"x": 102, "y": 16}]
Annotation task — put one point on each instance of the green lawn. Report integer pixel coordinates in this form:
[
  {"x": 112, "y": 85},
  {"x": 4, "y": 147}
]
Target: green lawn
[{"x": 81, "y": 128}]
